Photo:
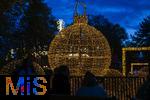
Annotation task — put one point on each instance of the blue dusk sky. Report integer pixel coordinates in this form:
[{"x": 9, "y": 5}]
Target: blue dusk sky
[{"x": 128, "y": 13}]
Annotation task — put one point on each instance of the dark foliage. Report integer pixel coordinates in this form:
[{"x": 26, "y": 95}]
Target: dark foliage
[
  {"x": 142, "y": 36},
  {"x": 38, "y": 25},
  {"x": 114, "y": 33}
]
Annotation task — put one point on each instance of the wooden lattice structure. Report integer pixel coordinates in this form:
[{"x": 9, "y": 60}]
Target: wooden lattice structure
[{"x": 81, "y": 47}]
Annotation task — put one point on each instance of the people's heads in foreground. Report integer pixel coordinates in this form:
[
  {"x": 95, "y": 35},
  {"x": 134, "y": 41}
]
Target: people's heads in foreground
[
  {"x": 143, "y": 91},
  {"x": 61, "y": 83},
  {"x": 89, "y": 80},
  {"x": 90, "y": 87}
]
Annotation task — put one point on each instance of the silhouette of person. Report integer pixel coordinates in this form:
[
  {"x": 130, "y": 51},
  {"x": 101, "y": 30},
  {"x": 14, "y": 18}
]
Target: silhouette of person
[
  {"x": 60, "y": 82},
  {"x": 143, "y": 91},
  {"x": 90, "y": 87}
]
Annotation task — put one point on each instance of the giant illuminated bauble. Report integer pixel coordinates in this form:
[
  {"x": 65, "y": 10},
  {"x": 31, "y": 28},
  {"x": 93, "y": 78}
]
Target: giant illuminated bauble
[{"x": 81, "y": 47}]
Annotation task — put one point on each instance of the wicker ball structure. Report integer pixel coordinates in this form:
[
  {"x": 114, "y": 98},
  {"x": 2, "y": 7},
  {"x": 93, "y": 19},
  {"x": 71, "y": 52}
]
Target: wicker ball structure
[{"x": 81, "y": 47}]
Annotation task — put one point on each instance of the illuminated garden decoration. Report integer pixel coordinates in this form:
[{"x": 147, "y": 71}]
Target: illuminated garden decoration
[
  {"x": 137, "y": 64},
  {"x": 11, "y": 67},
  {"x": 81, "y": 47},
  {"x": 124, "y": 50}
]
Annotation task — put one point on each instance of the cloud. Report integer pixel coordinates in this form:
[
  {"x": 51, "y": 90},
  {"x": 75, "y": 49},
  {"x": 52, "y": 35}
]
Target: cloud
[{"x": 127, "y": 13}]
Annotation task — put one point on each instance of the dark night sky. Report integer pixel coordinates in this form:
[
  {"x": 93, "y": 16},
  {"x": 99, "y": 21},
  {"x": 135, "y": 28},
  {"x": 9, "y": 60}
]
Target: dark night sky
[{"x": 128, "y": 13}]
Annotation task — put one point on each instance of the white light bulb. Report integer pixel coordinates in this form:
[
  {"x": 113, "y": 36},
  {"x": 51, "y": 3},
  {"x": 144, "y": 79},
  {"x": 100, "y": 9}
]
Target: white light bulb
[{"x": 61, "y": 24}]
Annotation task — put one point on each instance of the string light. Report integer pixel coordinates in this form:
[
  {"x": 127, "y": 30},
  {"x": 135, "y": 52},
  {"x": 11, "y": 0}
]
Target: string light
[
  {"x": 61, "y": 24},
  {"x": 11, "y": 67},
  {"x": 124, "y": 50},
  {"x": 81, "y": 47},
  {"x": 137, "y": 64}
]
